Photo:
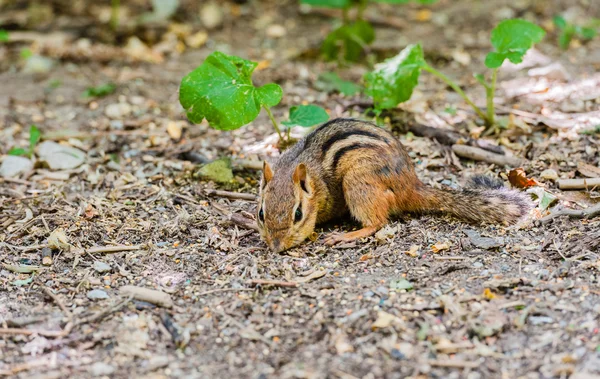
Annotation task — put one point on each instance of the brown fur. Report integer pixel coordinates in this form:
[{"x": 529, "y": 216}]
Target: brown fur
[{"x": 354, "y": 166}]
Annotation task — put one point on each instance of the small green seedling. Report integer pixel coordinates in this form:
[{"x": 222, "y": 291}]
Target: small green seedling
[
  {"x": 306, "y": 116},
  {"x": 567, "y": 31},
  {"x": 4, "y": 36},
  {"x": 330, "y": 82},
  {"x": 221, "y": 91},
  {"x": 394, "y": 80},
  {"x": 349, "y": 41},
  {"x": 34, "y": 138},
  {"x": 100, "y": 91}
]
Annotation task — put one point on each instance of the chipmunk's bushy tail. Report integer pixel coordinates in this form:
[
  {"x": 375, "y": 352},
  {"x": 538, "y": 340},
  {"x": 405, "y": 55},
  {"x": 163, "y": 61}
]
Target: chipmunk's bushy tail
[{"x": 484, "y": 200}]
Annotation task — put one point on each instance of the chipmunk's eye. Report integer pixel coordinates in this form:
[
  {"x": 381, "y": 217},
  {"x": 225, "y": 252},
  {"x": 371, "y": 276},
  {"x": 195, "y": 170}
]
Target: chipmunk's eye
[
  {"x": 261, "y": 215},
  {"x": 298, "y": 214}
]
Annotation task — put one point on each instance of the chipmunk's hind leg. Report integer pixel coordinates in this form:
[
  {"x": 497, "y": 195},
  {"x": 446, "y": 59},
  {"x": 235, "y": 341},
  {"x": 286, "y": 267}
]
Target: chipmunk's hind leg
[{"x": 369, "y": 202}]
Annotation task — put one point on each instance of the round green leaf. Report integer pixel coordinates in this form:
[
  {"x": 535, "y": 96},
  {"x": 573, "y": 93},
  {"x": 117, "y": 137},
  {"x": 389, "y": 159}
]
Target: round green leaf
[
  {"x": 393, "y": 81},
  {"x": 330, "y": 81},
  {"x": 349, "y": 40},
  {"x": 512, "y": 39},
  {"x": 306, "y": 115},
  {"x": 270, "y": 94},
  {"x": 221, "y": 90}
]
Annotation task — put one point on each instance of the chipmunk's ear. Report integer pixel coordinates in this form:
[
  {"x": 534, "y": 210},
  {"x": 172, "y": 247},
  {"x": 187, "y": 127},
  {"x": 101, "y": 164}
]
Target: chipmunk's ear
[
  {"x": 301, "y": 177},
  {"x": 267, "y": 174}
]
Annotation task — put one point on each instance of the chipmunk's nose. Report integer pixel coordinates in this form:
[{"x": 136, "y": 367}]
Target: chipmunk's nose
[{"x": 276, "y": 245}]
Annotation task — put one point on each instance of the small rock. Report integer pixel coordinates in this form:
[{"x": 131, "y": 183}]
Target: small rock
[
  {"x": 196, "y": 40},
  {"x": 477, "y": 265},
  {"x": 97, "y": 295},
  {"x": 117, "y": 110},
  {"x": 13, "y": 165},
  {"x": 60, "y": 157},
  {"x": 101, "y": 369},
  {"x": 276, "y": 31},
  {"x": 101, "y": 267},
  {"x": 549, "y": 174},
  {"x": 211, "y": 15},
  {"x": 483, "y": 242},
  {"x": 37, "y": 64}
]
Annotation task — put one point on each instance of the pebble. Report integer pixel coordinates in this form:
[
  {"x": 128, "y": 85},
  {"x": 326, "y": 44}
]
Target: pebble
[
  {"x": 117, "y": 110},
  {"x": 36, "y": 64},
  {"x": 13, "y": 165},
  {"x": 101, "y": 267},
  {"x": 549, "y": 174},
  {"x": 101, "y": 369},
  {"x": 477, "y": 265},
  {"x": 97, "y": 295},
  {"x": 276, "y": 31},
  {"x": 211, "y": 15}
]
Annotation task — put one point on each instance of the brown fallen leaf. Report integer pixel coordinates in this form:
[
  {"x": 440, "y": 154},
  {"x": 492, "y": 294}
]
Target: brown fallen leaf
[
  {"x": 519, "y": 179},
  {"x": 588, "y": 170},
  {"x": 439, "y": 246}
]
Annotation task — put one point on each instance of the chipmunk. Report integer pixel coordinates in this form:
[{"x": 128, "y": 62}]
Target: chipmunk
[{"x": 348, "y": 165}]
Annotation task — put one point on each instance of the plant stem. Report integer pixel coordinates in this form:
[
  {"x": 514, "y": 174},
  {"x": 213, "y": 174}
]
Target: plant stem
[
  {"x": 273, "y": 121},
  {"x": 345, "y": 16},
  {"x": 456, "y": 88},
  {"x": 490, "y": 97},
  {"x": 114, "y": 14},
  {"x": 361, "y": 10}
]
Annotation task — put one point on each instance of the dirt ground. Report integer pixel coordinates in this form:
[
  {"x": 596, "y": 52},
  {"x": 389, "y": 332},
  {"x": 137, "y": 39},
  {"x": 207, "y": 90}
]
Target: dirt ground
[{"x": 427, "y": 297}]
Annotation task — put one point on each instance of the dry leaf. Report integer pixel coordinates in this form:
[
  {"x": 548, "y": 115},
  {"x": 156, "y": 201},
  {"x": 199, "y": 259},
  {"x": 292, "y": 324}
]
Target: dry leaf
[
  {"x": 58, "y": 240},
  {"x": 423, "y": 15},
  {"x": 384, "y": 320},
  {"x": 90, "y": 212},
  {"x": 519, "y": 179},
  {"x": 365, "y": 257},
  {"x": 588, "y": 170},
  {"x": 488, "y": 294},
  {"x": 439, "y": 246},
  {"x": 413, "y": 250},
  {"x": 174, "y": 129}
]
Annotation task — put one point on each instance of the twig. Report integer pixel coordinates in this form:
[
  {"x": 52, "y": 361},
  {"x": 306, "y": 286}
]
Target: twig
[
  {"x": 572, "y": 213},
  {"x": 237, "y": 218},
  {"x": 566, "y": 184},
  {"x": 276, "y": 283},
  {"x": 159, "y": 298},
  {"x": 450, "y": 258},
  {"x": 112, "y": 249},
  {"x": 231, "y": 195},
  {"x": 478, "y": 154},
  {"x": 224, "y": 290},
  {"x": 247, "y": 163},
  {"x": 453, "y": 364},
  {"x": 444, "y": 136},
  {"x": 58, "y": 302}
]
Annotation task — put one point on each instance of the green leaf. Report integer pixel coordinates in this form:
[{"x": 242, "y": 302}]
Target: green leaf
[
  {"x": 100, "y": 91},
  {"x": 585, "y": 33},
  {"x": 17, "y": 151},
  {"x": 306, "y": 115},
  {"x": 348, "y": 40},
  {"x": 218, "y": 171},
  {"x": 328, "y": 3},
  {"x": 393, "y": 81},
  {"x": 4, "y": 36},
  {"x": 34, "y": 137},
  {"x": 564, "y": 38},
  {"x": 330, "y": 81},
  {"x": 221, "y": 90},
  {"x": 560, "y": 22},
  {"x": 25, "y": 53},
  {"x": 512, "y": 39}
]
